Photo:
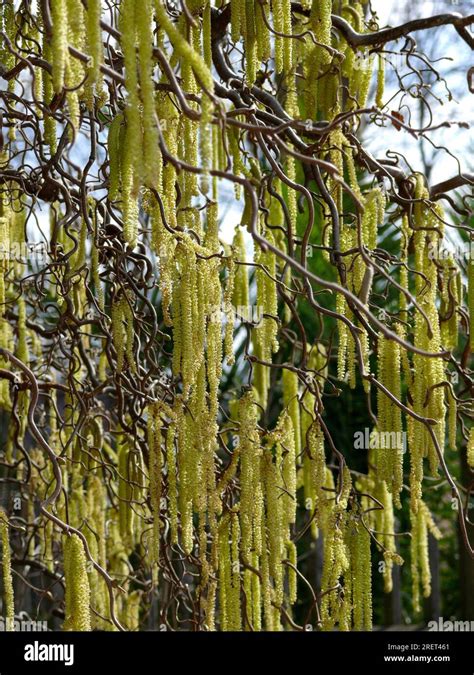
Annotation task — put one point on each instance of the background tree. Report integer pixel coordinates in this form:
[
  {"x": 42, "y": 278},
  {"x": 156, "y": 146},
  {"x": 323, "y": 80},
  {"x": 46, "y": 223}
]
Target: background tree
[{"x": 212, "y": 425}]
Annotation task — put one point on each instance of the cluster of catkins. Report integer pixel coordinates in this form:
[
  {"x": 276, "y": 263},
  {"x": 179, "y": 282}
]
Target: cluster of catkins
[{"x": 230, "y": 485}]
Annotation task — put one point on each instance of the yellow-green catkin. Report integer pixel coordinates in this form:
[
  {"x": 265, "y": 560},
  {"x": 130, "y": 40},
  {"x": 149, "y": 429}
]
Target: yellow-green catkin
[
  {"x": 335, "y": 564},
  {"x": 292, "y": 572},
  {"x": 380, "y": 82},
  {"x": 59, "y": 43},
  {"x": 428, "y": 373},
  {"x": 151, "y": 155},
  {"x": 282, "y": 23},
  {"x": 264, "y": 335},
  {"x": 240, "y": 294},
  {"x": 262, "y": 21},
  {"x": 154, "y": 424},
  {"x": 224, "y": 574},
  {"x": 318, "y": 58},
  {"x": 250, "y": 453},
  {"x": 421, "y": 524},
  {"x": 278, "y": 20},
  {"x": 452, "y": 419},
  {"x": 48, "y": 89},
  {"x": 229, "y": 574},
  {"x": 191, "y": 56},
  {"x": 8, "y": 599},
  {"x": 236, "y": 14},
  {"x": 389, "y": 454},
  {"x": 274, "y": 526},
  {"x": 314, "y": 468},
  {"x": 22, "y": 350},
  {"x": 292, "y": 403},
  {"x": 450, "y": 301},
  {"x": 362, "y": 580},
  {"x": 228, "y": 309},
  {"x": 74, "y": 67},
  {"x": 236, "y": 155},
  {"x": 131, "y": 157},
  {"x": 470, "y": 273},
  {"x": 383, "y": 521},
  {"x": 77, "y": 611},
  {"x": 288, "y": 449},
  {"x": 250, "y": 41},
  {"x": 118, "y": 331},
  {"x": 22, "y": 353},
  {"x": 186, "y": 467},
  {"x": 7, "y": 24},
  {"x": 470, "y": 449}
]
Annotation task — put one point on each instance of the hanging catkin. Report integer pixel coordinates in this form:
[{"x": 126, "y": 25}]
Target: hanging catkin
[
  {"x": 151, "y": 155},
  {"x": 154, "y": 433},
  {"x": 59, "y": 43},
  {"x": 291, "y": 402},
  {"x": 362, "y": 580},
  {"x": 318, "y": 58},
  {"x": 470, "y": 273},
  {"x": 203, "y": 74},
  {"x": 8, "y": 600},
  {"x": 250, "y": 452},
  {"x": 118, "y": 331},
  {"x": 131, "y": 168},
  {"x": 380, "y": 82},
  {"x": 470, "y": 449},
  {"x": 77, "y": 611}
]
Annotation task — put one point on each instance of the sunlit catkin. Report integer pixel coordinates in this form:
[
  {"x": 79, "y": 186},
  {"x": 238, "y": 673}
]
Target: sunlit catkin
[
  {"x": 274, "y": 528},
  {"x": 203, "y": 74},
  {"x": 240, "y": 294},
  {"x": 7, "y": 24},
  {"x": 59, "y": 43},
  {"x": 151, "y": 155},
  {"x": 8, "y": 606},
  {"x": 362, "y": 581},
  {"x": 291, "y": 402},
  {"x": 380, "y": 82},
  {"x": 470, "y": 449},
  {"x": 154, "y": 424},
  {"x": 131, "y": 157},
  {"x": 470, "y": 273},
  {"x": 250, "y": 452},
  {"x": 452, "y": 419},
  {"x": 77, "y": 612},
  {"x": 118, "y": 331},
  {"x": 318, "y": 58},
  {"x": 292, "y": 572}
]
